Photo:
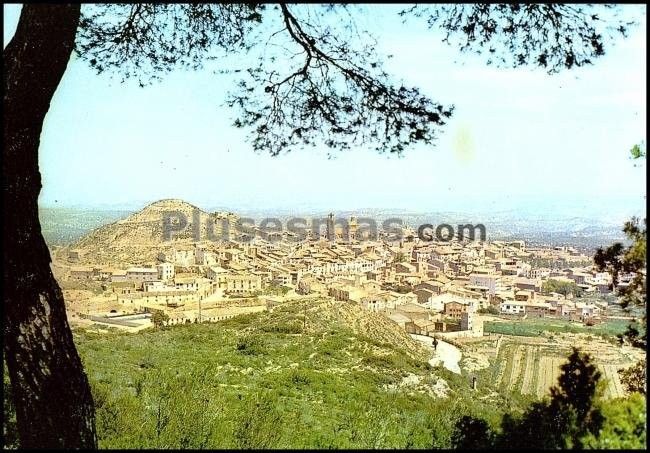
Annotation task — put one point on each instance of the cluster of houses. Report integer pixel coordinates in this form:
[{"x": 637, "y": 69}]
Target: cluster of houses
[{"x": 426, "y": 287}]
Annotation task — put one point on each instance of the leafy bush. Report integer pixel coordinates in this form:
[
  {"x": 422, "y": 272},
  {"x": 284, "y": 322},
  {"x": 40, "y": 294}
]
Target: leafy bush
[
  {"x": 257, "y": 425},
  {"x": 624, "y": 425},
  {"x": 250, "y": 345},
  {"x": 289, "y": 327},
  {"x": 634, "y": 378},
  {"x": 380, "y": 361},
  {"x": 300, "y": 378},
  {"x": 491, "y": 310}
]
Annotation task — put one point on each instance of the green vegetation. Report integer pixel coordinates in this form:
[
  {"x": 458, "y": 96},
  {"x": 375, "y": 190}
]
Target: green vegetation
[
  {"x": 264, "y": 381},
  {"x": 9, "y": 428},
  {"x": 624, "y": 425},
  {"x": 617, "y": 260},
  {"x": 274, "y": 289},
  {"x": 561, "y": 287},
  {"x": 535, "y": 327},
  {"x": 632, "y": 260},
  {"x": 574, "y": 417},
  {"x": 159, "y": 318},
  {"x": 634, "y": 378},
  {"x": 638, "y": 151},
  {"x": 491, "y": 310},
  {"x": 278, "y": 380}
]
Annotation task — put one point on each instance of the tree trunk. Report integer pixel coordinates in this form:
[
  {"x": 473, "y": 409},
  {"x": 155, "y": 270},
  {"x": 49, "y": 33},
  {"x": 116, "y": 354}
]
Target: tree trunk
[{"x": 54, "y": 406}]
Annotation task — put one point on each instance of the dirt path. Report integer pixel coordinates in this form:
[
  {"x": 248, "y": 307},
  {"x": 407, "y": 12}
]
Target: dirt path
[{"x": 447, "y": 354}]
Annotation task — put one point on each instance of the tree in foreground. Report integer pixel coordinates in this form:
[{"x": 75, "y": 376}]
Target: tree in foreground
[
  {"x": 574, "y": 417},
  {"x": 631, "y": 263},
  {"x": 634, "y": 378},
  {"x": 52, "y": 398},
  {"x": 625, "y": 426},
  {"x": 319, "y": 80}
]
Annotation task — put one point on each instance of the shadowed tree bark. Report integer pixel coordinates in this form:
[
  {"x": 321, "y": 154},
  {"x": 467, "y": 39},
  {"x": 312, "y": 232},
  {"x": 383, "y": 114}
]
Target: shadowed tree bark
[{"x": 54, "y": 406}]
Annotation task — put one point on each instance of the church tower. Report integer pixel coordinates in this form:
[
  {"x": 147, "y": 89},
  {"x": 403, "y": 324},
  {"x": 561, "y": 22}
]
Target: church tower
[
  {"x": 331, "y": 234},
  {"x": 352, "y": 229}
]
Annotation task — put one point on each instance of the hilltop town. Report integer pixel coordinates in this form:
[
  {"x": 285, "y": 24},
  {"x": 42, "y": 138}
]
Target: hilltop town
[{"x": 124, "y": 272}]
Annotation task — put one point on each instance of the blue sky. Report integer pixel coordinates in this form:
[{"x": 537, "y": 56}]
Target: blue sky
[{"x": 518, "y": 138}]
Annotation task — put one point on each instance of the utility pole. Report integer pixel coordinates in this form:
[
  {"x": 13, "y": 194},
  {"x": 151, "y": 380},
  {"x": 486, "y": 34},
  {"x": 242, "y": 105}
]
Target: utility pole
[{"x": 200, "y": 297}]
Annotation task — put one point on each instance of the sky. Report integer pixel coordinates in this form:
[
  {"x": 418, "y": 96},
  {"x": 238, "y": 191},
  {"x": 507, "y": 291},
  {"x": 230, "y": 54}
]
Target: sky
[{"x": 519, "y": 138}]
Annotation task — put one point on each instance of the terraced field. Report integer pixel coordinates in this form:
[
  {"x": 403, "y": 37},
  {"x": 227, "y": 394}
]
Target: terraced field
[
  {"x": 531, "y": 370},
  {"x": 549, "y": 370},
  {"x": 614, "y": 387},
  {"x": 531, "y": 366},
  {"x": 515, "y": 371}
]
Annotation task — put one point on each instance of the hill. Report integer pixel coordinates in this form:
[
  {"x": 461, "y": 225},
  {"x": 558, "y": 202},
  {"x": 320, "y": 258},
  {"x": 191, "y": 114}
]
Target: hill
[
  {"x": 139, "y": 237},
  {"x": 262, "y": 381}
]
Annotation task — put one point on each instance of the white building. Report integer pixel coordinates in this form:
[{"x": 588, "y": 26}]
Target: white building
[
  {"x": 154, "y": 286},
  {"x": 165, "y": 271},
  {"x": 539, "y": 273},
  {"x": 186, "y": 284},
  {"x": 511, "y": 307},
  {"x": 181, "y": 257},
  {"x": 490, "y": 281},
  {"x": 374, "y": 303},
  {"x": 216, "y": 273}
]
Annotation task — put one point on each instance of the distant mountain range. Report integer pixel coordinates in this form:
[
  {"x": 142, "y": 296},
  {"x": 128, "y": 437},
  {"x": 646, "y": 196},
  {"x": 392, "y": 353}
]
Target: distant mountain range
[{"x": 62, "y": 226}]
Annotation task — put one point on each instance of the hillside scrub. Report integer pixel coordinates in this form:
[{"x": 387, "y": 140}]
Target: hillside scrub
[{"x": 242, "y": 383}]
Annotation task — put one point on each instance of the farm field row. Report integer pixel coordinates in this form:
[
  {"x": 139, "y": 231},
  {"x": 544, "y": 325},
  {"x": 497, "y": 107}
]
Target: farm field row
[
  {"x": 537, "y": 326},
  {"x": 532, "y": 368}
]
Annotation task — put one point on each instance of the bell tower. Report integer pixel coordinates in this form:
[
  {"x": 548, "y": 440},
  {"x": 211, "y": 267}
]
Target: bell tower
[
  {"x": 352, "y": 229},
  {"x": 331, "y": 234}
]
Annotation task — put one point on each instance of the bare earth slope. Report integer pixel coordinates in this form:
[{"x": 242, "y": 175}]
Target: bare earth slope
[{"x": 140, "y": 237}]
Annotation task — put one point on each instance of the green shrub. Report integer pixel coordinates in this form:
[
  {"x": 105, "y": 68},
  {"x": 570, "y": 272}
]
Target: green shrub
[
  {"x": 491, "y": 310},
  {"x": 290, "y": 327},
  {"x": 300, "y": 378},
  {"x": 382, "y": 361},
  {"x": 250, "y": 345},
  {"x": 257, "y": 426},
  {"x": 192, "y": 393}
]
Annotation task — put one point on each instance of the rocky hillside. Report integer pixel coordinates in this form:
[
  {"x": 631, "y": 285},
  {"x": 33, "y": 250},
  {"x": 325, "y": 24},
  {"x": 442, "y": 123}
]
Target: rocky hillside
[
  {"x": 321, "y": 314},
  {"x": 140, "y": 237}
]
